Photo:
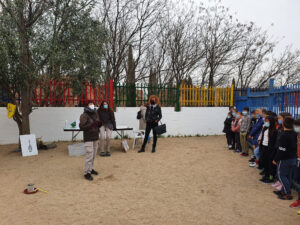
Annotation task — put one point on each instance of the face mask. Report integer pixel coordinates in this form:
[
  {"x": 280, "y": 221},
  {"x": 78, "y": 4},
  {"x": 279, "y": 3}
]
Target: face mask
[
  {"x": 267, "y": 124},
  {"x": 228, "y": 117},
  {"x": 245, "y": 113},
  {"x": 233, "y": 114},
  {"x": 297, "y": 129},
  {"x": 105, "y": 106},
  {"x": 92, "y": 107},
  {"x": 280, "y": 122},
  {"x": 238, "y": 116},
  {"x": 152, "y": 102}
]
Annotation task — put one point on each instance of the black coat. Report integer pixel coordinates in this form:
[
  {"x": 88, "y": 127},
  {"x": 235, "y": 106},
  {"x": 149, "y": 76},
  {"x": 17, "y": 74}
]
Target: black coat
[
  {"x": 153, "y": 113},
  {"x": 227, "y": 125}
]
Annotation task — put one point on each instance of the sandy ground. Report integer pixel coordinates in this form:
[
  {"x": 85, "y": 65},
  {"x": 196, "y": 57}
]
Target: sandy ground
[{"x": 188, "y": 181}]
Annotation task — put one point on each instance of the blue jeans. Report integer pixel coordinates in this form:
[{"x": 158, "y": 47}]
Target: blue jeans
[
  {"x": 256, "y": 153},
  {"x": 284, "y": 172}
]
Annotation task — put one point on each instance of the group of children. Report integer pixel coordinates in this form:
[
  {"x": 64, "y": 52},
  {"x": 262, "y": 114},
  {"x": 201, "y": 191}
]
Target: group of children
[{"x": 273, "y": 143}]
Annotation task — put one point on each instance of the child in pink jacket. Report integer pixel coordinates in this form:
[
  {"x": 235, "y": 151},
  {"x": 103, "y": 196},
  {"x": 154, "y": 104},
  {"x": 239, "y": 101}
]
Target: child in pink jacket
[{"x": 235, "y": 127}]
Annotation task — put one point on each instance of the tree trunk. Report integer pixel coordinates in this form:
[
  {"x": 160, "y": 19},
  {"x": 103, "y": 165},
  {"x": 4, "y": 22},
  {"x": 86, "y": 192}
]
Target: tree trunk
[{"x": 25, "y": 110}]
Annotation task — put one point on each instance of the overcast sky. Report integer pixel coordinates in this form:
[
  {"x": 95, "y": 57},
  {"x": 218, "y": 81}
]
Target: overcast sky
[{"x": 284, "y": 14}]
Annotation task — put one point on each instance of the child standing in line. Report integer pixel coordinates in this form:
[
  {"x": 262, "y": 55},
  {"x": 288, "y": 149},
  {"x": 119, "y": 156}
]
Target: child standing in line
[
  {"x": 281, "y": 118},
  {"x": 267, "y": 148},
  {"x": 227, "y": 129},
  {"x": 245, "y": 125},
  {"x": 296, "y": 180},
  {"x": 286, "y": 158},
  {"x": 233, "y": 145},
  {"x": 236, "y": 130}
]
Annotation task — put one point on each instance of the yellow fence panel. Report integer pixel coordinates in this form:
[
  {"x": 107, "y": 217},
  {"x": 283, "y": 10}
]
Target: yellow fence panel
[{"x": 191, "y": 95}]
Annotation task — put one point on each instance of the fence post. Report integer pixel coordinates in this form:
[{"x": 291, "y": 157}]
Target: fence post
[
  {"x": 231, "y": 96},
  {"x": 270, "y": 102},
  {"x": 111, "y": 93},
  {"x": 177, "y": 106}
]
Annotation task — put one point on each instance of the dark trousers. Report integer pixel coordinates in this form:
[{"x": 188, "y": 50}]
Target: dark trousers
[
  {"x": 267, "y": 158},
  {"x": 263, "y": 156},
  {"x": 284, "y": 172},
  {"x": 229, "y": 138},
  {"x": 149, "y": 127},
  {"x": 238, "y": 141},
  {"x": 233, "y": 140}
]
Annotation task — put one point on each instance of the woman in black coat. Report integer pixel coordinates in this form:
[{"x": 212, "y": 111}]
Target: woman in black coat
[{"x": 153, "y": 116}]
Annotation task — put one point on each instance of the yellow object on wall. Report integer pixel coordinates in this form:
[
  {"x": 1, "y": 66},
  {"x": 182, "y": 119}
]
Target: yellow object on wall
[{"x": 11, "y": 109}]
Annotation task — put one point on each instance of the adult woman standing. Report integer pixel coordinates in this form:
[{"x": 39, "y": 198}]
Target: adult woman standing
[
  {"x": 153, "y": 116},
  {"x": 107, "y": 117}
]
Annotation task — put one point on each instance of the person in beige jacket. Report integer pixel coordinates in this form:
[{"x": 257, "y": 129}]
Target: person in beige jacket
[{"x": 143, "y": 119}]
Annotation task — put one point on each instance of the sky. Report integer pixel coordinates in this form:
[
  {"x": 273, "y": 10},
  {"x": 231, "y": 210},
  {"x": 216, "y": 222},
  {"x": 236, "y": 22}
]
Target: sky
[{"x": 284, "y": 14}]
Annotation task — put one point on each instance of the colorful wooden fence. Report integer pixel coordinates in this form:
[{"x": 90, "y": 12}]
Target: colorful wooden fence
[
  {"x": 191, "y": 95},
  {"x": 62, "y": 93}
]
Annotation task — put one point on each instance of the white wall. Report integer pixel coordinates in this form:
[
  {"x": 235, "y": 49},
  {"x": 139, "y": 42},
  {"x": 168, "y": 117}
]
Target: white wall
[{"x": 48, "y": 123}]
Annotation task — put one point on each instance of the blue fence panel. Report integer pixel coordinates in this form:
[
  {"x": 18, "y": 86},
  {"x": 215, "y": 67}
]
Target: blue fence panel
[{"x": 278, "y": 99}]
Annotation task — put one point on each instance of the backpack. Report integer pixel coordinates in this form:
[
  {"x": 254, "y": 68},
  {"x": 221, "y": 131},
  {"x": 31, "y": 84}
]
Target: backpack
[{"x": 139, "y": 115}]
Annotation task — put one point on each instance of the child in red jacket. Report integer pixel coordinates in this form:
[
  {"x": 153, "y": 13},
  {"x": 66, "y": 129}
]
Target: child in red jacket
[{"x": 235, "y": 127}]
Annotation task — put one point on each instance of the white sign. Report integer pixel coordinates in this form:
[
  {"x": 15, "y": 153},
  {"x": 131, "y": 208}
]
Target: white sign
[
  {"x": 125, "y": 145},
  {"x": 28, "y": 145}
]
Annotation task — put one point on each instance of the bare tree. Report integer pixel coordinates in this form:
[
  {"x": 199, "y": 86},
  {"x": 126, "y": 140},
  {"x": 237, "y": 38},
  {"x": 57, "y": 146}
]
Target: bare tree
[{"x": 128, "y": 22}]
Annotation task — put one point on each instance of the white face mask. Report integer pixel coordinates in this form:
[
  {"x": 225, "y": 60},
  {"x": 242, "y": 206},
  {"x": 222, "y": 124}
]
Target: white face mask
[{"x": 92, "y": 107}]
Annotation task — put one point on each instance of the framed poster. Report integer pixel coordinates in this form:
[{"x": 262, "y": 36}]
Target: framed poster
[
  {"x": 125, "y": 145},
  {"x": 28, "y": 145}
]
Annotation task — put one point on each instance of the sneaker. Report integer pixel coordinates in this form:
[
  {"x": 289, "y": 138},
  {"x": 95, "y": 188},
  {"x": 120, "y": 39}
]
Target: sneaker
[
  {"x": 296, "y": 204},
  {"x": 94, "y": 172},
  {"x": 232, "y": 148},
  {"x": 253, "y": 164},
  {"x": 141, "y": 151},
  {"x": 279, "y": 187},
  {"x": 262, "y": 172},
  {"x": 244, "y": 155},
  {"x": 285, "y": 197},
  {"x": 253, "y": 157},
  {"x": 266, "y": 180},
  {"x": 237, "y": 151},
  {"x": 107, "y": 154},
  {"x": 88, "y": 176},
  {"x": 229, "y": 146},
  {"x": 278, "y": 193},
  {"x": 153, "y": 150},
  {"x": 277, "y": 183},
  {"x": 102, "y": 154},
  {"x": 252, "y": 160}
]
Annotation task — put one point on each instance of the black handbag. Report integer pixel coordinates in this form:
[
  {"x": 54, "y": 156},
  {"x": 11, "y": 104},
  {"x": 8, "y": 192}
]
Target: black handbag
[
  {"x": 160, "y": 129},
  {"x": 139, "y": 115}
]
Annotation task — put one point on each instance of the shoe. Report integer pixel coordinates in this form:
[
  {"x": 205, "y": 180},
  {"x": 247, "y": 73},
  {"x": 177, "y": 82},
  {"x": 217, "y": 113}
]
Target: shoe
[
  {"x": 237, "y": 151},
  {"x": 252, "y": 160},
  {"x": 229, "y": 146},
  {"x": 244, "y": 155},
  {"x": 278, "y": 193},
  {"x": 253, "y": 157},
  {"x": 266, "y": 180},
  {"x": 153, "y": 150},
  {"x": 94, "y": 172},
  {"x": 141, "y": 150},
  {"x": 102, "y": 154},
  {"x": 107, "y": 154},
  {"x": 279, "y": 187},
  {"x": 88, "y": 176},
  {"x": 277, "y": 183},
  {"x": 262, "y": 172},
  {"x": 296, "y": 204},
  {"x": 285, "y": 197},
  {"x": 253, "y": 164}
]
